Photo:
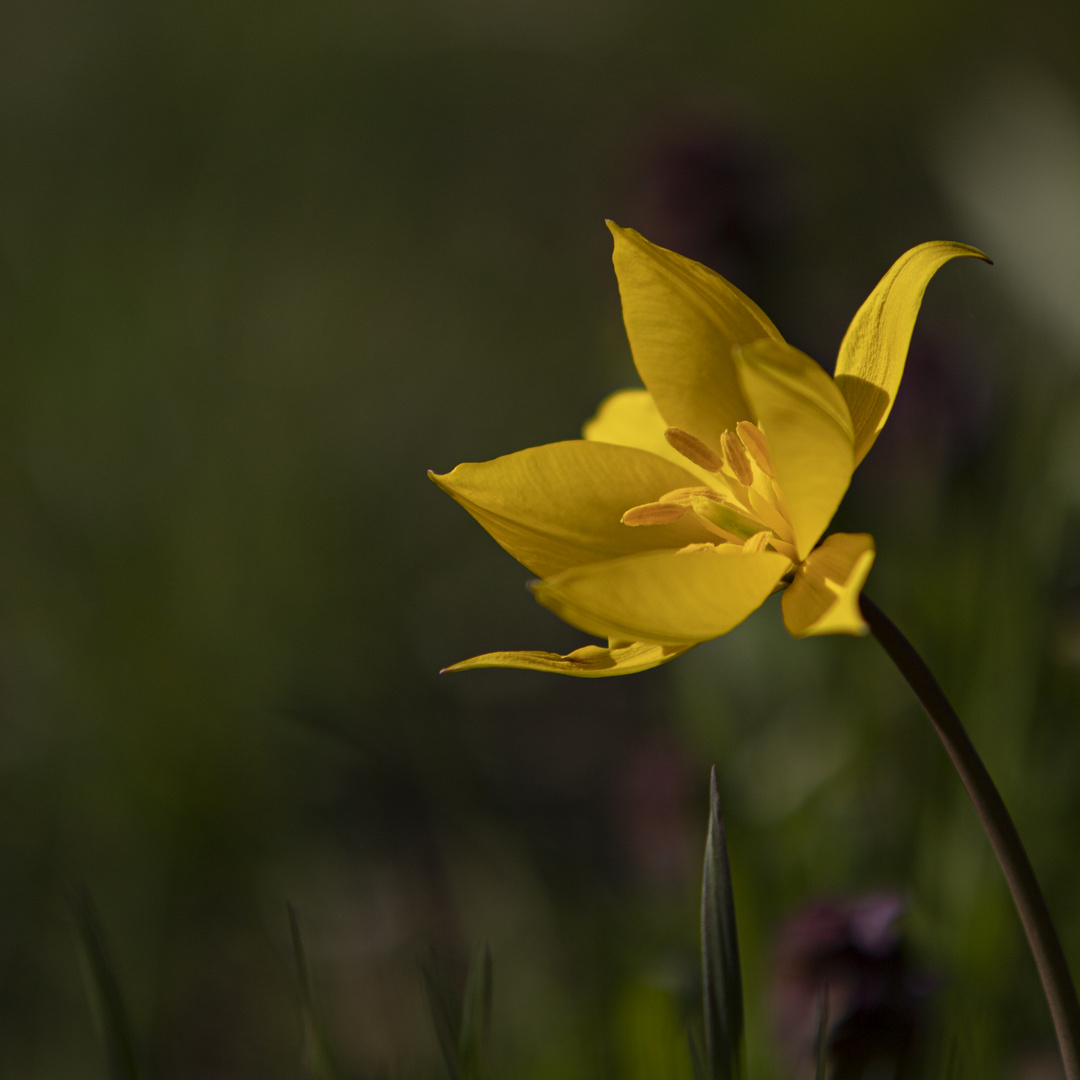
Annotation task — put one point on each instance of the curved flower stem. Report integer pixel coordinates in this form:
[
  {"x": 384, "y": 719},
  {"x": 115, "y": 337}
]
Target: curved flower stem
[{"x": 1034, "y": 914}]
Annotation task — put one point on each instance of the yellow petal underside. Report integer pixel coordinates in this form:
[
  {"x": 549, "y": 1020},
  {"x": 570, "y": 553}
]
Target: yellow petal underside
[
  {"x": 823, "y": 598},
  {"x": 557, "y": 506},
  {"x": 806, "y": 421},
  {"x": 875, "y": 347},
  {"x": 590, "y": 662},
  {"x": 668, "y": 597},
  {"x": 682, "y": 320},
  {"x": 631, "y": 418}
]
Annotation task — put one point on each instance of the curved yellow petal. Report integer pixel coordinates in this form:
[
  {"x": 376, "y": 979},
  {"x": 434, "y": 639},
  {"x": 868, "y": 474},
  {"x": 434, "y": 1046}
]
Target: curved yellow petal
[
  {"x": 874, "y": 349},
  {"x": 823, "y": 598},
  {"x": 682, "y": 320},
  {"x": 590, "y": 662},
  {"x": 806, "y": 421},
  {"x": 559, "y": 505},
  {"x": 631, "y": 418},
  {"x": 670, "y": 597}
]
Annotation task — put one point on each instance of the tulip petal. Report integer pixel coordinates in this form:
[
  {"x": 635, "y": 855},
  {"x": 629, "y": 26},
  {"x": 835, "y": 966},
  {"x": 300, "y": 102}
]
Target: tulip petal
[
  {"x": 557, "y": 506},
  {"x": 590, "y": 662},
  {"x": 674, "y": 598},
  {"x": 806, "y": 421},
  {"x": 631, "y": 418},
  {"x": 823, "y": 598},
  {"x": 682, "y": 320},
  {"x": 875, "y": 347}
]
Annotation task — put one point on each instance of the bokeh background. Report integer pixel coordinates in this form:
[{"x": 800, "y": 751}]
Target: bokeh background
[{"x": 261, "y": 266}]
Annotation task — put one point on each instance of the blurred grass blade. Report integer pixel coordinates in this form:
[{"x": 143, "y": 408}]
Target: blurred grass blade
[
  {"x": 958, "y": 1062},
  {"x": 950, "y": 1066},
  {"x": 476, "y": 1016},
  {"x": 650, "y": 1035},
  {"x": 697, "y": 1059},
  {"x": 106, "y": 999},
  {"x": 444, "y": 1009},
  {"x": 721, "y": 974},
  {"x": 822, "y": 1045},
  {"x": 316, "y": 1059}
]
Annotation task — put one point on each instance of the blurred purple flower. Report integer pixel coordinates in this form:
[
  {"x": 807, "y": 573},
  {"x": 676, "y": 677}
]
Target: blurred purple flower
[
  {"x": 849, "y": 952},
  {"x": 651, "y": 800},
  {"x": 718, "y": 193},
  {"x": 944, "y": 418}
]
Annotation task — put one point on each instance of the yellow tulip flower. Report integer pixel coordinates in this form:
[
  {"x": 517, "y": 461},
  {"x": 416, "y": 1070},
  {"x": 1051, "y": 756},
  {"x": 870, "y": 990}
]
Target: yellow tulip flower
[{"x": 687, "y": 503}]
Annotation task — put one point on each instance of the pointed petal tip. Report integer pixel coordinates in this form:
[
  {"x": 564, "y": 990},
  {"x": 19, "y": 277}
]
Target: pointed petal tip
[
  {"x": 589, "y": 662},
  {"x": 958, "y": 249},
  {"x": 973, "y": 252},
  {"x": 619, "y": 233},
  {"x": 874, "y": 350},
  {"x": 461, "y": 665}
]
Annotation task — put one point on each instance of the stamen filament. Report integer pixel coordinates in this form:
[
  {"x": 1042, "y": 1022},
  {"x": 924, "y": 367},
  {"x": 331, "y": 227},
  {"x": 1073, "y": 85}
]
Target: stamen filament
[
  {"x": 783, "y": 547},
  {"x": 770, "y": 516}
]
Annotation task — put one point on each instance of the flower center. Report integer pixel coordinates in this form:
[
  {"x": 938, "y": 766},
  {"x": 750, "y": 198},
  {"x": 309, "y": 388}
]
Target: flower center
[{"x": 742, "y": 505}]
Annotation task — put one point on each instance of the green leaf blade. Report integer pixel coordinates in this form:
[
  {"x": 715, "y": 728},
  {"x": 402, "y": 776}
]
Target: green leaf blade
[
  {"x": 104, "y": 987},
  {"x": 476, "y": 1016},
  {"x": 720, "y": 968}
]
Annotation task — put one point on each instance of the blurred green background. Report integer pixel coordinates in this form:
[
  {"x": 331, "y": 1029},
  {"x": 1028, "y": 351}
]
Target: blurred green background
[{"x": 262, "y": 265}]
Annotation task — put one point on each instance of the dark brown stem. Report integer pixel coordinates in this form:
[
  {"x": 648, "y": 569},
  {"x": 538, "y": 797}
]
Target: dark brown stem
[{"x": 1034, "y": 914}]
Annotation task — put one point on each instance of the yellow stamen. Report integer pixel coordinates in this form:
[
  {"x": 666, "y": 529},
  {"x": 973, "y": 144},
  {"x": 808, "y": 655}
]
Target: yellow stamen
[
  {"x": 735, "y": 549},
  {"x": 682, "y": 496},
  {"x": 754, "y": 441},
  {"x": 693, "y": 449},
  {"x": 657, "y": 513},
  {"x": 736, "y": 458},
  {"x": 757, "y": 542},
  {"x": 693, "y": 549}
]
